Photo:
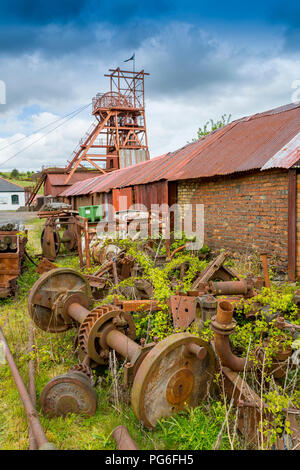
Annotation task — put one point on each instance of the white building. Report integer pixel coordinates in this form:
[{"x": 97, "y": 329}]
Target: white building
[{"x": 12, "y": 196}]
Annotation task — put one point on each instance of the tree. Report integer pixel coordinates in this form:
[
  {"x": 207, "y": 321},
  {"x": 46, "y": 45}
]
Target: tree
[
  {"x": 211, "y": 126},
  {"x": 15, "y": 173}
]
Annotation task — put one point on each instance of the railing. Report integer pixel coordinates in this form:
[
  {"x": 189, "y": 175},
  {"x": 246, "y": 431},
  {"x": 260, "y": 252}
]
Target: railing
[{"x": 111, "y": 100}]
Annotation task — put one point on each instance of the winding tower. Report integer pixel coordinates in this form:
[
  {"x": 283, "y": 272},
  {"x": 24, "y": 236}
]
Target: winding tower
[{"x": 118, "y": 137}]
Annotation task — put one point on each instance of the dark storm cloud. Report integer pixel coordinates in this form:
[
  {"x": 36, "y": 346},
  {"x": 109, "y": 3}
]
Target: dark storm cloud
[
  {"x": 40, "y": 11},
  {"x": 288, "y": 16}
]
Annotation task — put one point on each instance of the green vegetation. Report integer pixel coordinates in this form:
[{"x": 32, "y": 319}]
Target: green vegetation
[
  {"x": 23, "y": 179},
  {"x": 212, "y": 125},
  {"x": 211, "y": 425},
  {"x": 54, "y": 355}
]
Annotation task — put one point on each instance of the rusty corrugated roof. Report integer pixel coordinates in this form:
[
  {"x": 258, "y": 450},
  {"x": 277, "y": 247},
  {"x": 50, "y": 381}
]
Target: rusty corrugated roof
[
  {"x": 246, "y": 144},
  {"x": 57, "y": 179}
]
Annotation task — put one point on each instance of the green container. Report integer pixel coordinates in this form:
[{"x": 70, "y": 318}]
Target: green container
[{"x": 92, "y": 213}]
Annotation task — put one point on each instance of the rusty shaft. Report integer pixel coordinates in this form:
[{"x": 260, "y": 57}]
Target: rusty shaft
[
  {"x": 123, "y": 439},
  {"x": 31, "y": 384},
  {"x": 77, "y": 312},
  {"x": 33, "y": 419},
  {"x": 114, "y": 338},
  {"x": 229, "y": 287},
  {"x": 122, "y": 344},
  {"x": 196, "y": 350},
  {"x": 223, "y": 325}
]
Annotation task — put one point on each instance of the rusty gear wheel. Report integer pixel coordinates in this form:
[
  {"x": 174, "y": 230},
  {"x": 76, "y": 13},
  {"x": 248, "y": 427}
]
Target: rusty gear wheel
[
  {"x": 91, "y": 330},
  {"x": 84, "y": 369}
]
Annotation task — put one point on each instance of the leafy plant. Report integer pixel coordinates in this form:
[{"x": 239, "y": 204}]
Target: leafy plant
[
  {"x": 196, "y": 430},
  {"x": 212, "y": 125}
]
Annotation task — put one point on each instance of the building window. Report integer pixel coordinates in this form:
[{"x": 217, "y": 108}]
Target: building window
[{"x": 15, "y": 199}]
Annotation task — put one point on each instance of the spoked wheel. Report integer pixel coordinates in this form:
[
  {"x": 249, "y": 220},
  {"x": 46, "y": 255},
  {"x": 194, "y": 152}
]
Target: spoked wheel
[
  {"x": 50, "y": 242},
  {"x": 48, "y": 299}
]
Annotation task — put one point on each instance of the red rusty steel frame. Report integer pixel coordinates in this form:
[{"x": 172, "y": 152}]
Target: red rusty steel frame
[{"x": 120, "y": 123}]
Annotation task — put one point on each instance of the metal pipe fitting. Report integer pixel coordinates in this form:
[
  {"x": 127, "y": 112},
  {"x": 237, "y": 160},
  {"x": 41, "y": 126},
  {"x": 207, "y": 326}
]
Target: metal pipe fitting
[{"x": 223, "y": 325}]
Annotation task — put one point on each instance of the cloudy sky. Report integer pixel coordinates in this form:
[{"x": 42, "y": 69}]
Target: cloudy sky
[{"x": 204, "y": 60}]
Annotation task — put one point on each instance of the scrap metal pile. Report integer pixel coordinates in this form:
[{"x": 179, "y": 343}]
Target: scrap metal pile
[
  {"x": 162, "y": 377},
  {"x": 12, "y": 256},
  {"x": 59, "y": 230}
]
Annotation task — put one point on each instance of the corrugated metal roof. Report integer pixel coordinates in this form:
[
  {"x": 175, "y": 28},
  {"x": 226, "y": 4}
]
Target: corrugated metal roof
[
  {"x": 287, "y": 156},
  {"x": 246, "y": 144},
  {"x": 59, "y": 179}
]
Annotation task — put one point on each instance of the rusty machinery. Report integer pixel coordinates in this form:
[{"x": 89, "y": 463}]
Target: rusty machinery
[
  {"x": 166, "y": 377},
  {"x": 12, "y": 256},
  {"x": 51, "y": 240}
]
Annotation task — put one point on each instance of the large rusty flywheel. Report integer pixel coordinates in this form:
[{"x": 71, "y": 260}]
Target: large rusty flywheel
[
  {"x": 51, "y": 295},
  {"x": 176, "y": 374}
]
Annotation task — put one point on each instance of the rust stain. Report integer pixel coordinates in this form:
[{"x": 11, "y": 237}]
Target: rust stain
[{"x": 246, "y": 144}]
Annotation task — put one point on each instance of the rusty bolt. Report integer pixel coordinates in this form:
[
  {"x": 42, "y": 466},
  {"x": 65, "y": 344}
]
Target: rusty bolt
[{"x": 104, "y": 354}]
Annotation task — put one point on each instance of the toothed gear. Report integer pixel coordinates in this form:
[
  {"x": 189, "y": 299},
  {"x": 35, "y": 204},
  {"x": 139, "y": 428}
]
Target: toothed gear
[
  {"x": 88, "y": 330},
  {"x": 88, "y": 323},
  {"x": 84, "y": 369}
]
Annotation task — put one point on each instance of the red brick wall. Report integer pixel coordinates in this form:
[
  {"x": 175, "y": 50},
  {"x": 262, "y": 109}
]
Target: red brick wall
[
  {"x": 243, "y": 212},
  {"x": 298, "y": 228}
]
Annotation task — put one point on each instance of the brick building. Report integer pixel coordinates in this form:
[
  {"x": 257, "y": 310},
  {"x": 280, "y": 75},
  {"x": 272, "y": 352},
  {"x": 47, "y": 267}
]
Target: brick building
[{"x": 245, "y": 174}]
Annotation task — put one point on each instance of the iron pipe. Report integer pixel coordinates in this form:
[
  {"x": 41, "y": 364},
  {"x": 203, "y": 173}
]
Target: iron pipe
[
  {"x": 229, "y": 287},
  {"x": 123, "y": 439},
  {"x": 122, "y": 344},
  {"x": 77, "y": 312},
  {"x": 31, "y": 384},
  {"x": 34, "y": 422}
]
